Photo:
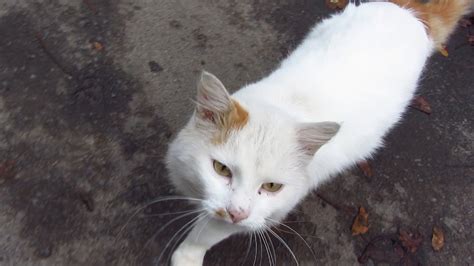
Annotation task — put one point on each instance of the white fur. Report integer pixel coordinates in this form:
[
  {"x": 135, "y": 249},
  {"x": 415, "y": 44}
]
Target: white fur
[{"x": 359, "y": 68}]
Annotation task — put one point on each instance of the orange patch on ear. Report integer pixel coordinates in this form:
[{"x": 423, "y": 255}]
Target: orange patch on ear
[
  {"x": 234, "y": 119},
  {"x": 238, "y": 116}
]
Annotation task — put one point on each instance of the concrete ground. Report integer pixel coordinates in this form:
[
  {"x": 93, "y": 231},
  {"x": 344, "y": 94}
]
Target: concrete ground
[{"x": 92, "y": 91}]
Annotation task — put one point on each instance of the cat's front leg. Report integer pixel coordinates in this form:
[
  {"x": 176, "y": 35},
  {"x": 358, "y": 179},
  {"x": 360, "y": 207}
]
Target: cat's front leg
[
  {"x": 188, "y": 255},
  {"x": 202, "y": 237}
]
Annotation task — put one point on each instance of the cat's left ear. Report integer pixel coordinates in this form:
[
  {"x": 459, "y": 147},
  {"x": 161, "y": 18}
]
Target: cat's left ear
[
  {"x": 212, "y": 96},
  {"x": 215, "y": 107},
  {"x": 311, "y": 136}
]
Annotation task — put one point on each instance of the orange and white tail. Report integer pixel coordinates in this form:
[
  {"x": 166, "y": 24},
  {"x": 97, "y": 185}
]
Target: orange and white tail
[{"x": 439, "y": 16}]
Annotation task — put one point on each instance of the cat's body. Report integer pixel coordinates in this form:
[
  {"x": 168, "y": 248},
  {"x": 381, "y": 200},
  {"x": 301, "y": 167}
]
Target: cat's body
[
  {"x": 341, "y": 73},
  {"x": 358, "y": 69}
]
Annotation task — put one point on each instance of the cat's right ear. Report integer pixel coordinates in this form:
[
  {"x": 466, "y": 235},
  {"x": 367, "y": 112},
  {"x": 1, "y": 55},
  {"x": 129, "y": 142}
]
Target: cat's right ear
[
  {"x": 311, "y": 136},
  {"x": 212, "y": 98}
]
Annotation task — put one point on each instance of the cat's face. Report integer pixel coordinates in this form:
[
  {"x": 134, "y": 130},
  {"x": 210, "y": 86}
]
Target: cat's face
[{"x": 248, "y": 166}]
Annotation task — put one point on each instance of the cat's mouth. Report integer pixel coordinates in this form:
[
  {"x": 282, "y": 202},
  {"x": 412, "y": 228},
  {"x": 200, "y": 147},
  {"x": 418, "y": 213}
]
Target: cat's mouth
[
  {"x": 246, "y": 224},
  {"x": 220, "y": 213},
  {"x": 223, "y": 215}
]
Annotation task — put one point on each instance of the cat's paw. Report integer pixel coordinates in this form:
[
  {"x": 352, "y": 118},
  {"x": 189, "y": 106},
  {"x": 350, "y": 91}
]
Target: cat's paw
[{"x": 188, "y": 255}]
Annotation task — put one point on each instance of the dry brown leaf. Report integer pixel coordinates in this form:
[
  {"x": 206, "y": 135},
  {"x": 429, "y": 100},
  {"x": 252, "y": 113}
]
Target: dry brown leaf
[
  {"x": 364, "y": 166},
  {"x": 336, "y": 4},
  {"x": 360, "y": 225},
  {"x": 421, "y": 104},
  {"x": 387, "y": 249},
  {"x": 382, "y": 249},
  {"x": 443, "y": 51},
  {"x": 410, "y": 240},
  {"x": 7, "y": 170},
  {"x": 97, "y": 46},
  {"x": 437, "y": 241}
]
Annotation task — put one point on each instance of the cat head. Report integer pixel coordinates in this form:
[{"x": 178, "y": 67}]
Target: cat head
[{"x": 245, "y": 160}]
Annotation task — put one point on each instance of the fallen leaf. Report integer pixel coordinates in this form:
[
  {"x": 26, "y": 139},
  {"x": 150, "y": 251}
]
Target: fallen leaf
[
  {"x": 360, "y": 225},
  {"x": 336, "y": 4},
  {"x": 443, "y": 50},
  {"x": 382, "y": 249},
  {"x": 387, "y": 249},
  {"x": 420, "y": 103},
  {"x": 7, "y": 169},
  {"x": 364, "y": 166},
  {"x": 410, "y": 240},
  {"x": 437, "y": 241},
  {"x": 97, "y": 46}
]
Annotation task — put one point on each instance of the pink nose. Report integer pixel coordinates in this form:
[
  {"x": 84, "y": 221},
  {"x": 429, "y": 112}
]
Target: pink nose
[{"x": 237, "y": 215}]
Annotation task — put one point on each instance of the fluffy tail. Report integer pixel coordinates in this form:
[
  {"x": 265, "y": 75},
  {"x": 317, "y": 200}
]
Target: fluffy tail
[{"x": 439, "y": 16}]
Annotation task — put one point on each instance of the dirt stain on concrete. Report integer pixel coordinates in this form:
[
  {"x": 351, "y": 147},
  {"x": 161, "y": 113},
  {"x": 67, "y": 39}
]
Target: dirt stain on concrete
[{"x": 79, "y": 130}]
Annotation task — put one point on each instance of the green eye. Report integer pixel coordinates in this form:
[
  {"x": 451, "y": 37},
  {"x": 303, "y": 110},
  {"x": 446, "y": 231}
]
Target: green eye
[
  {"x": 221, "y": 169},
  {"x": 272, "y": 187}
]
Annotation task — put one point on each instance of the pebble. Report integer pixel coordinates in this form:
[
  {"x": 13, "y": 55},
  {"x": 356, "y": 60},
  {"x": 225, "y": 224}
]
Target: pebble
[
  {"x": 155, "y": 67},
  {"x": 44, "y": 252}
]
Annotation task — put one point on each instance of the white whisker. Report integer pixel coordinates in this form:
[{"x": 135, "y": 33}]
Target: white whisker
[
  {"x": 272, "y": 246},
  {"x": 188, "y": 225},
  {"x": 256, "y": 249},
  {"x": 248, "y": 249},
  {"x": 284, "y": 243},
  {"x": 173, "y": 198},
  {"x": 267, "y": 247},
  {"x": 203, "y": 226},
  {"x": 153, "y": 202},
  {"x": 183, "y": 235},
  {"x": 170, "y": 222},
  {"x": 167, "y": 213},
  {"x": 292, "y": 230},
  {"x": 261, "y": 249}
]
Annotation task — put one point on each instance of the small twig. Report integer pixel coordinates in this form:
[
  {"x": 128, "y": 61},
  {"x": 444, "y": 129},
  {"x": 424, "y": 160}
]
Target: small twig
[
  {"x": 364, "y": 238},
  {"x": 292, "y": 233},
  {"x": 40, "y": 40}
]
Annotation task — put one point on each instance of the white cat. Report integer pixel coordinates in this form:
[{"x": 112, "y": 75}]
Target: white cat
[{"x": 250, "y": 157}]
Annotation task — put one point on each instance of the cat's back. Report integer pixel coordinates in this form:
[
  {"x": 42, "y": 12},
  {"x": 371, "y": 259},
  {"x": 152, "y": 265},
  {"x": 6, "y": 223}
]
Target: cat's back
[
  {"x": 372, "y": 51},
  {"x": 359, "y": 68},
  {"x": 364, "y": 35}
]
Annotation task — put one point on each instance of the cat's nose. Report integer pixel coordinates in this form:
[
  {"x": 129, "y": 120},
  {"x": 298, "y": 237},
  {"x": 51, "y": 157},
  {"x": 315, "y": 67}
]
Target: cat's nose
[{"x": 238, "y": 214}]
